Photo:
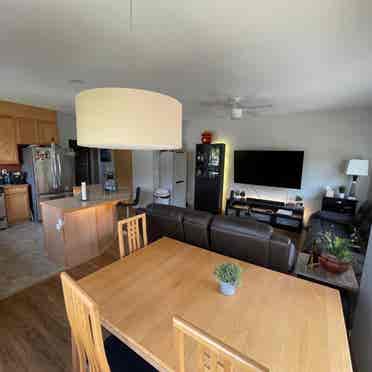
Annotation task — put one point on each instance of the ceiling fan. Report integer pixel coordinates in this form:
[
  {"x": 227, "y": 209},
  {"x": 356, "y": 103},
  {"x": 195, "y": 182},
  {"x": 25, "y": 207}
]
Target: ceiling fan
[{"x": 236, "y": 106}]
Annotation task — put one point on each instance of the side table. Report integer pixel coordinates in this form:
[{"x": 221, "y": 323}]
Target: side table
[{"x": 345, "y": 282}]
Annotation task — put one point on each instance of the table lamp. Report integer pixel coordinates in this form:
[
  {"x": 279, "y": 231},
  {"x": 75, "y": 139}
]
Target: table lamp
[{"x": 356, "y": 168}]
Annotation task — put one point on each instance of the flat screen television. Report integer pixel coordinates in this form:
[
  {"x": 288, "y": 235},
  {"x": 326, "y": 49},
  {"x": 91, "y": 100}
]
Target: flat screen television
[{"x": 269, "y": 168}]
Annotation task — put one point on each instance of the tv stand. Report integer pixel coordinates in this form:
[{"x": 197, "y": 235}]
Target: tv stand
[{"x": 276, "y": 213}]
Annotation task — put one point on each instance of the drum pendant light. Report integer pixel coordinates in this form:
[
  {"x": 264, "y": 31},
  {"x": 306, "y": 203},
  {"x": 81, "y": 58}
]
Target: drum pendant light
[{"x": 121, "y": 118}]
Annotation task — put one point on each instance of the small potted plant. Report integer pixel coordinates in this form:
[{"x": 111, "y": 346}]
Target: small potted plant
[
  {"x": 341, "y": 191},
  {"x": 336, "y": 256},
  {"x": 229, "y": 277}
]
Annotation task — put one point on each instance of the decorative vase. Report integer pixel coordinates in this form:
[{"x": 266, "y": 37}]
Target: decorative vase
[
  {"x": 227, "y": 289},
  {"x": 341, "y": 195},
  {"x": 206, "y": 137},
  {"x": 332, "y": 264}
]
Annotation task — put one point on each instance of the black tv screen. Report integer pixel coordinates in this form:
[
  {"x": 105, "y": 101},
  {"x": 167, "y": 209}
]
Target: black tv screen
[{"x": 269, "y": 168}]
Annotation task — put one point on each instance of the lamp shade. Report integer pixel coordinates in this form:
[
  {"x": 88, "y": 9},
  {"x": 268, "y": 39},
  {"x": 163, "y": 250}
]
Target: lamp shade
[
  {"x": 120, "y": 118},
  {"x": 357, "y": 167}
]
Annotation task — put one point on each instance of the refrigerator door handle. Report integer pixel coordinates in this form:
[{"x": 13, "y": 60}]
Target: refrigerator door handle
[
  {"x": 59, "y": 170},
  {"x": 53, "y": 166}
]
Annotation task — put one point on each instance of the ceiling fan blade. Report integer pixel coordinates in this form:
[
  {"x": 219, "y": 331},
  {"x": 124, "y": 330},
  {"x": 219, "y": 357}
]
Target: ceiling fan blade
[
  {"x": 215, "y": 103},
  {"x": 207, "y": 103},
  {"x": 252, "y": 113},
  {"x": 256, "y": 107}
]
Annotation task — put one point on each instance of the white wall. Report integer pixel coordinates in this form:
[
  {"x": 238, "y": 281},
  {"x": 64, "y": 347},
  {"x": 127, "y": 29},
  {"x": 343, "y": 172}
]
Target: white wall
[
  {"x": 66, "y": 127},
  {"x": 143, "y": 174},
  {"x": 328, "y": 139}
]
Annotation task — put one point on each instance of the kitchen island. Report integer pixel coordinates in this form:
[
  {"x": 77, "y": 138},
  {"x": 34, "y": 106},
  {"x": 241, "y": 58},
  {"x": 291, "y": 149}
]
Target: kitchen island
[{"x": 76, "y": 231}]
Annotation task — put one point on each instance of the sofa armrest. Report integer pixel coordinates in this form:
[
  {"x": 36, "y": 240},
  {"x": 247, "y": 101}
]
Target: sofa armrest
[
  {"x": 140, "y": 210},
  {"x": 283, "y": 254}
]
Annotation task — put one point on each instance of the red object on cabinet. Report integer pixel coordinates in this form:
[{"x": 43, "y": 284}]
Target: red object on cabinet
[{"x": 206, "y": 137}]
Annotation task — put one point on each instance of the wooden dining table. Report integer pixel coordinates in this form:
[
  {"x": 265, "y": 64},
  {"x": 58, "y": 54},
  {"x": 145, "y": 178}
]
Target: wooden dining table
[{"x": 285, "y": 323}]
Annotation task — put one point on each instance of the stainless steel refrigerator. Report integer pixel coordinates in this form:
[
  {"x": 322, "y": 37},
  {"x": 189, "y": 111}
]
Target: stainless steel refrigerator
[{"x": 51, "y": 173}]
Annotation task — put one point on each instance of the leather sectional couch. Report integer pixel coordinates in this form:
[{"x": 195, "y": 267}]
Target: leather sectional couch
[{"x": 244, "y": 239}]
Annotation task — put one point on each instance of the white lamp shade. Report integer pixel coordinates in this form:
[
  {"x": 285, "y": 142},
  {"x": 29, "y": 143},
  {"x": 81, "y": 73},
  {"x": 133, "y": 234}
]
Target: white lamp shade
[
  {"x": 120, "y": 118},
  {"x": 357, "y": 167}
]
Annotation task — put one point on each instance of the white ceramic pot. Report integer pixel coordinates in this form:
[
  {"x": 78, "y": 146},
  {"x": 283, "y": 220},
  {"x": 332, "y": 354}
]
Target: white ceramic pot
[{"x": 227, "y": 289}]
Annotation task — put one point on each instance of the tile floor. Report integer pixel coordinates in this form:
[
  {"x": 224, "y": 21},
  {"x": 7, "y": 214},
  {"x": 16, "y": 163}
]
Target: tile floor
[{"x": 22, "y": 259}]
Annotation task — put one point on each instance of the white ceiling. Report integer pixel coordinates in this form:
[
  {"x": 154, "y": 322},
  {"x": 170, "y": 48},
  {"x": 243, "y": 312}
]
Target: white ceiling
[{"x": 297, "y": 54}]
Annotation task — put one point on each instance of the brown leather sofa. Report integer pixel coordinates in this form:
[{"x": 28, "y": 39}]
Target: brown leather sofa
[{"x": 244, "y": 239}]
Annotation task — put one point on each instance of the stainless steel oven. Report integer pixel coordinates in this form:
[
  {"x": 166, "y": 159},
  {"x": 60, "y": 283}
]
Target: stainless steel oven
[{"x": 3, "y": 219}]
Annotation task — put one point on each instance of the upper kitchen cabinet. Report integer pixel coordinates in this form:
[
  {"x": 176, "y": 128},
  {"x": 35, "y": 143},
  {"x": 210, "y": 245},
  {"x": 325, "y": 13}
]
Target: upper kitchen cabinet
[
  {"x": 27, "y": 131},
  {"x": 8, "y": 141},
  {"x": 33, "y": 125},
  {"x": 48, "y": 132}
]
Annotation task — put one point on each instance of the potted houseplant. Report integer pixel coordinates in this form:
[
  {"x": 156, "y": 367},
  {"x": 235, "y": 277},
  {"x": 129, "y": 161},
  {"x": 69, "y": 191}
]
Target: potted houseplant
[
  {"x": 341, "y": 191},
  {"x": 229, "y": 277},
  {"x": 336, "y": 256}
]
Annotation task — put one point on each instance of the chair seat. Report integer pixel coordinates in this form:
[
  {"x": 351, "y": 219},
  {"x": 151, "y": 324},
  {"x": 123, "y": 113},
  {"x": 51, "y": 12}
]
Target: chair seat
[{"x": 123, "y": 359}]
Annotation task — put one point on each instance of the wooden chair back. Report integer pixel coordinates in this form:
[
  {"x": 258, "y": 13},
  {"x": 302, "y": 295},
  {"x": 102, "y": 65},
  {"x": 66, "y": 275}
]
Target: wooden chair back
[
  {"x": 86, "y": 332},
  {"x": 129, "y": 234},
  {"x": 212, "y": 354}
]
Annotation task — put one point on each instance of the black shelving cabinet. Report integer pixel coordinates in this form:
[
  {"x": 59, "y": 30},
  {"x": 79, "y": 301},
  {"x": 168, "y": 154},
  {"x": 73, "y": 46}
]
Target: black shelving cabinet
[
  {"x": 340, "y": 205},
  {"x": 209, "y": 173}
]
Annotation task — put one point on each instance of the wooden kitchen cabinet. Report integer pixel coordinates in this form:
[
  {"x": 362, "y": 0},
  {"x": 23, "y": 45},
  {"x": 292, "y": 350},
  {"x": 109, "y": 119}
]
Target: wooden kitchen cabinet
[
  {"x": 24, "y": 125},
  {"x": 48, "y": 132},
  {"x": 8, "y": 141},
  {"x": 17, "y": 203},
  {"x": 124, "y": 169},
  {"x": 27, "y": 131}
]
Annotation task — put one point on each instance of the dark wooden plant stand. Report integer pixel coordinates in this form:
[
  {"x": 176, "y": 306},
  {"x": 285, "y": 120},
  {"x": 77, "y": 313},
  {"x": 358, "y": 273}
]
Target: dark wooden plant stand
[{"x": 345, "y": 282}]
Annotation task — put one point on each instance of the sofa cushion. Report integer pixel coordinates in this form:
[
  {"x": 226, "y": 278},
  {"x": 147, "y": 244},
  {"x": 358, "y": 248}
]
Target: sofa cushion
[
  {"x": 196, "y": 226},
  {"x": 245, "y": 240},
  {"x": 363, "y": 221},
  {"x": 248, "y": 226},
  {"x": 364, "y": 213},
  {"x": 164, "y": 220}
]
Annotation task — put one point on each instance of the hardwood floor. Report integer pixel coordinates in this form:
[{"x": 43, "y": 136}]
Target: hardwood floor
[{"x": 34, "y": 332}]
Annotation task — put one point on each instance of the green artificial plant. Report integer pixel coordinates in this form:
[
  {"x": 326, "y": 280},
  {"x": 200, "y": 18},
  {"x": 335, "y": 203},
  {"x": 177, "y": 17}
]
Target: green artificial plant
[
  {"x": 342, "y": 189},
  {"x": 337, "y": 246},
  {"x": 229, "y": 273}
]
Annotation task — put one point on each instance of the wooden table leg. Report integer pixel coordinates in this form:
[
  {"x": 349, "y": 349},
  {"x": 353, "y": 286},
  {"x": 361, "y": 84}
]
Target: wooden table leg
[{"x": 74, "y": 355}]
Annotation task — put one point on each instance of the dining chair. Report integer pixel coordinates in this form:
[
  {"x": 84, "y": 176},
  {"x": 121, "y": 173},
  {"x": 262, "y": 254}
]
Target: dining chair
[
  {"x": 129, "y": 234},
  {"x": 84, "y": 319},
  {"x": 212, "y": 354}
]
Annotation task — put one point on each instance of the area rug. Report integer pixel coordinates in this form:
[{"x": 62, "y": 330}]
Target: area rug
[{"x": 23, "y": 261}]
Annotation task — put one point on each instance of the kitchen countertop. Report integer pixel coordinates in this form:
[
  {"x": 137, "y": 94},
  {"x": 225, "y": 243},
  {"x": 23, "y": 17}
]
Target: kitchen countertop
[
  {"x": 10, "y": 185},
  {"x": 74, "y": 203}
]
